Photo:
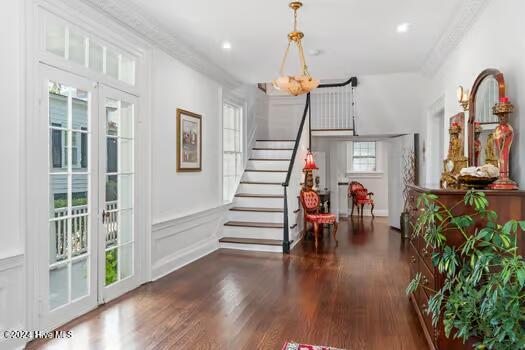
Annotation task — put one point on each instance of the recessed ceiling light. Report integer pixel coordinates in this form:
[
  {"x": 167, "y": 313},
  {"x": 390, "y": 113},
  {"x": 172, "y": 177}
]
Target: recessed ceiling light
[
  {"x": 314, "y": 52},
  {"x": 226, "y": 45},
  {"x": 403, "y": 27}
]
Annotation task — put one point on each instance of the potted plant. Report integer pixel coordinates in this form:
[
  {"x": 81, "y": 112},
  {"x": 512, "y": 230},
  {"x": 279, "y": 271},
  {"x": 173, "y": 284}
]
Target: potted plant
[
  {"x": 408, "y": 178},
  {"x": 482, "y": 300}
]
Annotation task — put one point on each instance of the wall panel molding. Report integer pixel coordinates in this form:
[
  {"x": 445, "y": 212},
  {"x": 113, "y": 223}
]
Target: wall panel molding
[
  {"x": 180, "y": 241},
  {"x": 12, "y": 296}
]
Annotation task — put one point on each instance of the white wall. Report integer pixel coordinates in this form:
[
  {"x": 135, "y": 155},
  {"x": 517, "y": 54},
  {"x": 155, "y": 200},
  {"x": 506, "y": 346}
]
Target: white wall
[
  {"x": 187, "y": 207},
  {"x": 12, "y": 63},
  {"x": 494, "y": 41},
  {"x": 11, "y": 71},
  {"x": 334, "y": 169}
]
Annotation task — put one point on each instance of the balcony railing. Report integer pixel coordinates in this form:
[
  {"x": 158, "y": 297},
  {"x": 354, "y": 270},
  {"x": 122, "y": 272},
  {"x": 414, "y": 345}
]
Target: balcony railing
[{"x": 79, "y": 229}]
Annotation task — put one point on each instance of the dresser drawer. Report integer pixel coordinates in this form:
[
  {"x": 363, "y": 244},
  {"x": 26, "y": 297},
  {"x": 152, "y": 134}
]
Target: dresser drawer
[
  {"x": 426, "y": 253},
  {"x": 427, "y": 278},
  {"x": 423, "y": 305}
]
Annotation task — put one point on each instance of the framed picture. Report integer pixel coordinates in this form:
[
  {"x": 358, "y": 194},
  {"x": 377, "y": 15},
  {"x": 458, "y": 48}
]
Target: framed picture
[{"x": 189, "y": 141}]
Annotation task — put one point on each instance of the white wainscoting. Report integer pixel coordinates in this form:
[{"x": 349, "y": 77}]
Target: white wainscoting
[
  {"x": 180, "y": 241},
  {"x": 12, "y": 306}
]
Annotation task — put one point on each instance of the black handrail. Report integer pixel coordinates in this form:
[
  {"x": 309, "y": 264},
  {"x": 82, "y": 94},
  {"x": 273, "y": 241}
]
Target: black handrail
[{"x": 307, "y": 111}]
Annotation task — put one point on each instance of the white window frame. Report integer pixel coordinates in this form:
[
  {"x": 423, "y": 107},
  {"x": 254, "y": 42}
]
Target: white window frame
[
  {"x": 368, "y": 173},
  {"x": 239, "y": 147}
]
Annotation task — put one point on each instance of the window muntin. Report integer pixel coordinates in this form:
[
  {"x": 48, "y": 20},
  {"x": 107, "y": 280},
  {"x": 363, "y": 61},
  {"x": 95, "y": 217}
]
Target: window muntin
[
  {"x": 364, "y": 156},
  {"x": 232, "y": 149}
]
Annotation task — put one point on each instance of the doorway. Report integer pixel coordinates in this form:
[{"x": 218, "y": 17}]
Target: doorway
[{"x": 87, "y": 195}]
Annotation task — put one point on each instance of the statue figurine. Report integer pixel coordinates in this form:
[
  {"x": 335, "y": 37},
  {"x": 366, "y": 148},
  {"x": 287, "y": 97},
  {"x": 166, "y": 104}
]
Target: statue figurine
[
  {"x": 456, "y": 159},
  {"x": 477, "y": 142},
  {"x": 490, "y": 157}
]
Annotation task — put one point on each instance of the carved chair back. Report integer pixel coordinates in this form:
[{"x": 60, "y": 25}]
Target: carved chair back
[{"x": 310, "y": 201}]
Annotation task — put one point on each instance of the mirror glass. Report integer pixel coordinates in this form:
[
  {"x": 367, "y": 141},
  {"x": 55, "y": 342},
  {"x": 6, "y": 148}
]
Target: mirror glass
[{"x": 485, "y": 122}]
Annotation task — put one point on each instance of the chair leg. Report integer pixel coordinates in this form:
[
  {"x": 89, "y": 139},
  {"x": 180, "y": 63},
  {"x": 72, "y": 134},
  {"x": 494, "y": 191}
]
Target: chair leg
[
  {"x": 352, "y": 213},
  {"x": 336, "y": 225},
  {"x": 316, "y": 233},
  {"x": 362, "y": 207},
  {"x": 372, "y": 211}
]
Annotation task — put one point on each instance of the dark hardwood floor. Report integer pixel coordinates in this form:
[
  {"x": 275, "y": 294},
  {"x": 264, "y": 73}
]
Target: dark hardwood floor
[{"x": 350, "y": 296}]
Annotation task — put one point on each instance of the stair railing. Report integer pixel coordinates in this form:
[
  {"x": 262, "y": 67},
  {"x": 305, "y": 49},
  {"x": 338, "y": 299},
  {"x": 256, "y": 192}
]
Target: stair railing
[{"x": 301, "y": 146}]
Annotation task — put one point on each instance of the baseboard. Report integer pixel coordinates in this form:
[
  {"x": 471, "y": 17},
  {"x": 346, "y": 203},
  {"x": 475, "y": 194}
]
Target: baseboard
[
  {"x": 377, "y": 212},
  {"x": 174, "y": 262},
  {"x": 299, "y": 239}
]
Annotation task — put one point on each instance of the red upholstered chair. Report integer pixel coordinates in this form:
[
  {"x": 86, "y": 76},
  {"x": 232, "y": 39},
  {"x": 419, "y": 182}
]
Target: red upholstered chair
[
  {"x": 360, "y": 197},
  {"x": 310, "y": 203}
]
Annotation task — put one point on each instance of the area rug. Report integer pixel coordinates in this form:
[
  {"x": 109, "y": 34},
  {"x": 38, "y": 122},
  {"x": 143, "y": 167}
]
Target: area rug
[{"x": 297, "y": 346}]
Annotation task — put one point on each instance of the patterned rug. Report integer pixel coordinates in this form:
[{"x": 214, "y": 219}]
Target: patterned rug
[{"x": 296, "y": 346}]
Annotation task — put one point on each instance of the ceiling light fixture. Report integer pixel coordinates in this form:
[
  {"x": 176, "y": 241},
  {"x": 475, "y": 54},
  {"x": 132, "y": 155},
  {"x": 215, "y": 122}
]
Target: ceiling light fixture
[
  {"x": 295, "y": 85},
  {"x": 403, "y": 27},
  {"x": 226, "y": 45}
]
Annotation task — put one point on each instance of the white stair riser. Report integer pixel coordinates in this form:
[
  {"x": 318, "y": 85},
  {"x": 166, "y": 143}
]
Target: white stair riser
[
  {"x": 252, "y": 247},
  {"x": 258, "y": 202},
  {"x": 271, "y": 154},
  {"x": 253, "y": 232},
  {"x": 255, "y": 216},
  {"x": 274, "y": 144},
  {"x": 254, "y": 176},
  {"x": 267, "y": 165},
  {"x": 260, "y": 189}
]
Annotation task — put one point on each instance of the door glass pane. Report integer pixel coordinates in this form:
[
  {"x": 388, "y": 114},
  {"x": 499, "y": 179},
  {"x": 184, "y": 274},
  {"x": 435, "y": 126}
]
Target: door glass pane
[
  {"x": 111, "y": 266},
  {"x": 69, "y": 193},
  {"x": 58, "y": 286},
  {"x": 126, "y": 261},
  {"x": 119, "y": 217},
  {"x": 79, "y": 279}
]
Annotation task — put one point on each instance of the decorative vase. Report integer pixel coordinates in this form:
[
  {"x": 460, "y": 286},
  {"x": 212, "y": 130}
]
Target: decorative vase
[{"x": 503, "y": 137}]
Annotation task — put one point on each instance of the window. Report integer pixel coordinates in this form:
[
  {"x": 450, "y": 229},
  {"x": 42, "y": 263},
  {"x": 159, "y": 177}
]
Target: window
[
  {"x": 364, "y": 156},
  {"x": 232, "y": 149}
]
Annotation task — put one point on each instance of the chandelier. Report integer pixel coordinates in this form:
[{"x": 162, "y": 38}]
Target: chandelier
[{"x": 301, "y": 84}]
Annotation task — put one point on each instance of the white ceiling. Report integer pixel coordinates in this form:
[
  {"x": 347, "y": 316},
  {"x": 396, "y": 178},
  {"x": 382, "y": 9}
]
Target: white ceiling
[{"x": 356, "y": 37}]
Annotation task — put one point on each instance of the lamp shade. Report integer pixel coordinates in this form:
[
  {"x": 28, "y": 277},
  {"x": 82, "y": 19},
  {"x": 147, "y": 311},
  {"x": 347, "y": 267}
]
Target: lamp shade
[{"x": 310, "y": 162}]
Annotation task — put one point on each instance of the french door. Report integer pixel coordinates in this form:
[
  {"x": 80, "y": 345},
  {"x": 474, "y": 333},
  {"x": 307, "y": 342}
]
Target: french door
[{"x": 90, "y": 254}]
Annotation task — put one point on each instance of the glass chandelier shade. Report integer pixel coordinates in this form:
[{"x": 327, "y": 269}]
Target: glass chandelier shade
[
  {"x": 310, "y": 162},
  {"x": 300, "y": 84}
]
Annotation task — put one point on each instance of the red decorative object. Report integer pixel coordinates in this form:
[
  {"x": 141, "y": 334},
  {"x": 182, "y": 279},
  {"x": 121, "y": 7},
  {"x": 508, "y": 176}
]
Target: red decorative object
[
  {"x": 360, "y": 197},
  {"x": 310, "y": 202},
  {"x": 310, "y": 162},
  {"x": 503, "y": 137}
]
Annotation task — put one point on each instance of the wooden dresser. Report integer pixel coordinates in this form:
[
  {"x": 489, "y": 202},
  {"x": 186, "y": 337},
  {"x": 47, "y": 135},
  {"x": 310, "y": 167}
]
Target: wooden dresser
[{"x": 508, "y": 204}]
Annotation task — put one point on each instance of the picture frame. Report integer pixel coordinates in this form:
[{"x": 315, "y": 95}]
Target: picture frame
[{"x": 189, "y": 141}]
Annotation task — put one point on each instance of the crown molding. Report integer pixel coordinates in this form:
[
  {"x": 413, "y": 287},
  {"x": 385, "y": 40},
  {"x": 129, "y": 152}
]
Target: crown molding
[
  {"x": 467, "y": 14},
  {"x": 132, "y": 17}
]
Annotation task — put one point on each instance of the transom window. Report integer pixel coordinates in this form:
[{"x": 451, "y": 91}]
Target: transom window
[
  {"x": 364, "y": 156},
  {"x": 232, "y": 149}
]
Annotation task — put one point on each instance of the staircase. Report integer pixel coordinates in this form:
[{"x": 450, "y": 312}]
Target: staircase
[{"x": 255, "y": 221}]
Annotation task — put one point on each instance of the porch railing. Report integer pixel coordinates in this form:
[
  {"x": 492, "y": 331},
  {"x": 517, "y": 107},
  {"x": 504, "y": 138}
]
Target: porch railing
[{"x": 79, "y": 229}]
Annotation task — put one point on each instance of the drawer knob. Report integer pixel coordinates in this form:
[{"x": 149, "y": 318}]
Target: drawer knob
[
  {"x": 425, "y": 281},
  {"x": 425, "y": 252},
  {"x": 413, "y": 259}
]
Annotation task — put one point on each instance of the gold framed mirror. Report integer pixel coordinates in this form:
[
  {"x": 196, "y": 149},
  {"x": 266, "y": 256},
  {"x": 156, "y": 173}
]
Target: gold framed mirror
[{"x": 488, "y": 88}]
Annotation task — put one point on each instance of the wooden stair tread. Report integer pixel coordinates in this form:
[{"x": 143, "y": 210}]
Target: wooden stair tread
[
  {"x": 275, "y": 242},
  {"x": 271, "y": 149},
  {"x": 263, "y": 210},
  {"x": 258, "y": 195},
  {"x": 266, "y": 171},
  {"x": 254, "y": 224},
  {"x": 271, "y": 160},
  {"x": 260, "y": 183}
]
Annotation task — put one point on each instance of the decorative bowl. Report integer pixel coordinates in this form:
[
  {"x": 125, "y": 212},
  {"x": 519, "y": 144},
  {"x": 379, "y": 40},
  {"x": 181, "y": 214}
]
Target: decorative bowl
[{"x": 476, "y": 182}]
